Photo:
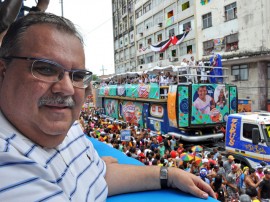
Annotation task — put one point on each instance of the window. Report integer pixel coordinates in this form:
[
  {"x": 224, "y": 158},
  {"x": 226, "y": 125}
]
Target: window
[
  {"x": 186, "y": 26},
  {"x": 247, "y": 130},
  {"x": 185, "y": 6},
  {"x": 161, "y": 56},
  {"x": 138, "y": 13},
  {"x": 149, "y": 41},
  {"x": 189, "y": 49},
  {"x": 159, "y": 37},
  {"x": 208, "y": 47},
  {"x": 149, "y": 59},
  {"x": 207, "y": 20},
  {"x": 173, "y": 53},
  {"x": 170, "y": 14},
  {"x": 232, "y": 42},
  {"x": 241, "y": 71},
  {"x": 230, "y": 11},
  {"x": 171, "y": 32},
  {"x": 147, "y": 7}
]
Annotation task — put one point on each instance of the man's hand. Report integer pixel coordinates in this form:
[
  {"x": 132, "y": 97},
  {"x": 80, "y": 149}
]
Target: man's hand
[{"x": 189, "y": 183}]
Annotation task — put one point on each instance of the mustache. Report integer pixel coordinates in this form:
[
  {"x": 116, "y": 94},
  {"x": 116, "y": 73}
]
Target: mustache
[{"x": 57, "y": 99}]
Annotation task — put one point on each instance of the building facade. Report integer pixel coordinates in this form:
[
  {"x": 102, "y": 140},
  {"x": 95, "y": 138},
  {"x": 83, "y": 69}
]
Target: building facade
[{"x": 238, "y": 30}]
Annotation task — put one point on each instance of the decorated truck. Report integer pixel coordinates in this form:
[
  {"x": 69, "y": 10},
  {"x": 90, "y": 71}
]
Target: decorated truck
[
  {"x": 186, "y": 110},
  {"x": 248, "y": 137}
]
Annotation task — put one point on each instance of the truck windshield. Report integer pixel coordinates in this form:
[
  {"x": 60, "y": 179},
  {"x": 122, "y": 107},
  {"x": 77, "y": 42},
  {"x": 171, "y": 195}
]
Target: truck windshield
[{"x": 266, "y": 130}]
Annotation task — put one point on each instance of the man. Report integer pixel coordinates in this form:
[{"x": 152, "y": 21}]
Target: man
[
  {"x": 232, "y": 183},
  {"x": 204, "y": 102},
  {"x": 227, "y": 165},
  {"x": 193, "y": 70},
  {"x": 9, "y": 10},
  {"x": 259, "y": 171},
  {"x": 44, "y": 153},
  {"x": 252, "y": 179},
  {"x": 264, "y": 187}
]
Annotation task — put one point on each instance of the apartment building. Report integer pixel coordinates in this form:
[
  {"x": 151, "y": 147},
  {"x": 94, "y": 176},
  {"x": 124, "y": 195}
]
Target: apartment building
[{"x": 236, "y": 29}]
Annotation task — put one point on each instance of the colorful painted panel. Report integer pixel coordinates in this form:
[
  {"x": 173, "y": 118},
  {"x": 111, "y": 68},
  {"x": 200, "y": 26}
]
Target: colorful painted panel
[
  {"x": 106, "y": 90},
  {"x": 233, "y": 99},
  {"x": 244, "y": 105},
  {"x": 156, "y": 110},
  {"x": 132, "y": 112},
  {"x": 183, "y": 106},
  {"x": 154, "y": 91},
  {"x": 210, "y": 104},
  {"x": 171, "y": 105},
  {"x": 132, "y": 90},
  {"x": 143, "y": 90},
  {"x": 111, "y": 108},
  {"x": 101, "y": 90},
  {"x": 121, "y": 91},
  {"x": 233, "y": 131},
  {"x": 112, "y": 90}
]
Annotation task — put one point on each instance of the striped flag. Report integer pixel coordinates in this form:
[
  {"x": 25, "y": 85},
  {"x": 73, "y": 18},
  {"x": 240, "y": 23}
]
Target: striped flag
[{"x": 175, "y": 40}]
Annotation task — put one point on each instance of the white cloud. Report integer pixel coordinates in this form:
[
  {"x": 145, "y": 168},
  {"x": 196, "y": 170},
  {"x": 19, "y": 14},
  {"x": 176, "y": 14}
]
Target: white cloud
[{"x": 94, "y": 20}]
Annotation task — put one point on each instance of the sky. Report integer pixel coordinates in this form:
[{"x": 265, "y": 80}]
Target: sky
[{"x": 94, "y": 21}]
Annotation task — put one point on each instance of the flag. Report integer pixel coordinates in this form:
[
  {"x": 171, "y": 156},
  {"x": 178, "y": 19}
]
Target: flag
[
  {"x": 162, "y": 46},
  {"x": 175, "y": 40},
  {"x": 179, "y": 38}
]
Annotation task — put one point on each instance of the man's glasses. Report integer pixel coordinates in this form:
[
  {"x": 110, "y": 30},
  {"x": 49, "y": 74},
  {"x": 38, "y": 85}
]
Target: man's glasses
[{"x": 49, "y": 71}]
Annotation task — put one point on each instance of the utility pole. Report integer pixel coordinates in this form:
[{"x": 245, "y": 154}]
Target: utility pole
[
  {"x": 62, "y": 7},
  {"x": 103, "y": 69}
]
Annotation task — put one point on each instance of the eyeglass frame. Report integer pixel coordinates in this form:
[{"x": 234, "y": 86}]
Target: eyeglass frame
[{"x": 34, "y": 59}]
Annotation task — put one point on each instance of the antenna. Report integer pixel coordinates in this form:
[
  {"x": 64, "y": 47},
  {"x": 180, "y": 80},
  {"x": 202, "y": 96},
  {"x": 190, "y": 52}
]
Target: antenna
[{"x": 103, "y": 69}]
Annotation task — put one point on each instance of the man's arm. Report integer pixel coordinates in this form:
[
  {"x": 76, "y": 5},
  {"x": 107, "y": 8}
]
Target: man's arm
[
  {"x": 43, "y": 5},
  {"x": 9, "y": 10},
  {"x": 127, "y": 178}
]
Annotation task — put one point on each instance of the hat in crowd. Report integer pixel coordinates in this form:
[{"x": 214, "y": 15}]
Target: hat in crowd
[
  {"x": 205, "y": 160},
  {"x": 266, "y": 171},
  {"x": 173, "y": 154},
  {"x": 234, "y": 166},
  {"x": 230, "y": 157},
  {"x": 203, "y": 172},
  {"x": 259, "y": 166},
  {"x": 216, "y": 166}
]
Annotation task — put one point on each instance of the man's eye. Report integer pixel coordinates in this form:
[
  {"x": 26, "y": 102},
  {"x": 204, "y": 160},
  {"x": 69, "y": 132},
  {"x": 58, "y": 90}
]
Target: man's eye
[
  {"x": 78, "y": 76},
  {"x": 46, "y": 69}
]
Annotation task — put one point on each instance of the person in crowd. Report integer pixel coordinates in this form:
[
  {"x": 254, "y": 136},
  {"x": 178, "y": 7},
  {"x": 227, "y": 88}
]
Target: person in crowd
[
  {"x": 259, "y": 171},
  {"x": 161, "y": 149},
  {"x": 228, "y": 164},
  {"x": 204, "y": 103},
  {"x": 203, "y": 175},
  {"x": 264, "y": 187},
  {"x": 203, "y": 72},
  {"x": 232, "y": 189},
  {"x": 43, "y": 74},
  {"x": 219, "y": 188},
  {"x": 244, "y": 198},
  {"x": 253, "y": 193},
  {"x": 172, "y": 142},
  {"x": 242, "y": 178},
  {"x": 193, "y": 70},
  {"x": 252, "y": 180}
]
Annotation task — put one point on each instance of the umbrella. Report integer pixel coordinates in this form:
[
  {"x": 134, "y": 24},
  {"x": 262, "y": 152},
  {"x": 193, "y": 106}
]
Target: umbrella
[
  {"x": 197, "y": 148},
  {"x": 186, "y": 157},
  {"x": 198, "y": 161}
]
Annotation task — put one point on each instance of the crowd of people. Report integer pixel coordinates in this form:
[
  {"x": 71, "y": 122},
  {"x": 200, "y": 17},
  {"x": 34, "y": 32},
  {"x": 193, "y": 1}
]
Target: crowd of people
[
  {"x": 228, "y": 179},
  {"x": 189, "y": 71}
]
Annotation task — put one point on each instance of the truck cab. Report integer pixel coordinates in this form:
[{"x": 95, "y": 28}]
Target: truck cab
[{"x": 248, "y": 137}]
